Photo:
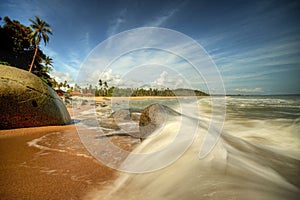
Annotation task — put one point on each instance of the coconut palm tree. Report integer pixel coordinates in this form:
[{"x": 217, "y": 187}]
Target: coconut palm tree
[
  {"x": 105, "y": 88},
  {"x": 48, "y": 62},
  {"x": 40, "y": 30},
  {"x": 100, "y": 87}
]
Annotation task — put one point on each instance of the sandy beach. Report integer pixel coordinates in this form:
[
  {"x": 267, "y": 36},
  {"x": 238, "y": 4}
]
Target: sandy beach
[
  {"x": 65, "y": 170},
  {"x": 28, "y": 172},
  {"x": 51, "y": 162}
]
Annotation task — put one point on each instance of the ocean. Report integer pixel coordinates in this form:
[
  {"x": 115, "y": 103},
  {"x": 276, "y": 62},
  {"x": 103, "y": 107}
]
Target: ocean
[{"x": 253, "y": 151}]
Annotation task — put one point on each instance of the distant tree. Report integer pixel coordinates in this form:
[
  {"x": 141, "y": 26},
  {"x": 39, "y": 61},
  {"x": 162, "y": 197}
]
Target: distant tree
[
  {"x": 60, "y": 85},
  {"x": 105, "y": 88},
  {"x": 71, "y": 89},
  {"x": 40, "y": 30},
  {"x": 100, "y": 91},
  {"x": 65, "y": 84},
  {"x": 76, "y": 88},
  {"x": 54, "y": 83},
  {"x": 110, "y": 91},
  {"x": 48, "y": 62}
]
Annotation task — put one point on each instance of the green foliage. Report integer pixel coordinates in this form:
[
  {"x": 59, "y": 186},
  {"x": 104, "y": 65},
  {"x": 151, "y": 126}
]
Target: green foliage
[
  {"x": 18, "y": 49},
  {"x": 40, "y": 30},
  {"x": 105, "y": 90},
  {"x": 4, "y": 63}
]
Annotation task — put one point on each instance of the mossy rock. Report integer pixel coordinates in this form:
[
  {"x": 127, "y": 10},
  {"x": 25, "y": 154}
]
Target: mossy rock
[{"x": 26, "y": 101}]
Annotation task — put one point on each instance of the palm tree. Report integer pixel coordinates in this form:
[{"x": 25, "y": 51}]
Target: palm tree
[
  {"x": 40, "y": 31},
  {"x": 105, "y": 88},
  {"x": 54, "y": 83},
  {"x": 48, "y": 61},
  {"x": 100, "y": 87},
  {"x": 65, "y": 83},
  {"x": 60, "y": 85}
]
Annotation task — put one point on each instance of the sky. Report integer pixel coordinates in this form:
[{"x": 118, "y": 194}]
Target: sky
[{"x": 245, "y": 47}]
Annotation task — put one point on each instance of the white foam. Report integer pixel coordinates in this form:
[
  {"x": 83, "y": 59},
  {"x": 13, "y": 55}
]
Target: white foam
[
  {"x": 254, "y": 159},
  {"x": 35, "y": 143}
]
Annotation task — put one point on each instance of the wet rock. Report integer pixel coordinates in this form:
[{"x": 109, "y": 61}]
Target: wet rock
[
  {"x": 126, "y": 115},
  {"x": 152, "y": 118},
  {"x": 109, "y": 125},
  {"x": 26, "y": 101},
  {"x": 123, "y": 114}
]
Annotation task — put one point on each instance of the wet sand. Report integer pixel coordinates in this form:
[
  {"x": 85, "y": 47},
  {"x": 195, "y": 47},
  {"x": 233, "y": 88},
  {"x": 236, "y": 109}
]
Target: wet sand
[
  {"x": 28, "y": 172},
  {"x": 61, "y": 169}
]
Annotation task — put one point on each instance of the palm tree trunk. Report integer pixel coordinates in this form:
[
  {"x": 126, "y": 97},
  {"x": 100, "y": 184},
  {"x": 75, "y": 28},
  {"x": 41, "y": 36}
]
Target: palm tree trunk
[{"x": 35, "y": 52}]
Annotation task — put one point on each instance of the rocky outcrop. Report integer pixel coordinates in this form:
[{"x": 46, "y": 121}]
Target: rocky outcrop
[
  {"x": 25, "y": 101},
  {"x": 123, "y": 114},
  {"x": 152, "y": 118}
]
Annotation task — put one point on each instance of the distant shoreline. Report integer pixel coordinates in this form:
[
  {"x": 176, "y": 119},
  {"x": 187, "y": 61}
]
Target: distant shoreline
[
  {"x": 106, "y": 99},
  {"x": 263, "y": 95}
]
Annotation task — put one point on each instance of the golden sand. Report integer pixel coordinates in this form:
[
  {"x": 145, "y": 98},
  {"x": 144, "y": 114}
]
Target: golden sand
[
  {"x": 31, "y": 173},
  {"x": 28, "y": 172}
]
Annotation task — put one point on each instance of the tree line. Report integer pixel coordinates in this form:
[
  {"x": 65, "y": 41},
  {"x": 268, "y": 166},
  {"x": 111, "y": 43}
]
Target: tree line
[{"x": 103, "y": 89}]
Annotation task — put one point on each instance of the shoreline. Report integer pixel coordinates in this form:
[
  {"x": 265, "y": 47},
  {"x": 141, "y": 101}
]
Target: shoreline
[
  {"x": 103, "y": 99},
  {"x": 28, "y": 172}
]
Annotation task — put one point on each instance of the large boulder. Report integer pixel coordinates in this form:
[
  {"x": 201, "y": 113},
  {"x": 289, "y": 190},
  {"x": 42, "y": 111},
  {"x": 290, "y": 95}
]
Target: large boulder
[
  {"x": 152, "y": 118},
  {"x": 25, "y": 101}
]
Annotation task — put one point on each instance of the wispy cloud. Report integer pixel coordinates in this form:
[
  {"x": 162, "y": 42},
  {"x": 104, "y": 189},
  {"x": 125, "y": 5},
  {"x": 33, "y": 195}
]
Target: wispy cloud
[
  {"x": 163, "y": 18},
  {"x": 85, "y": 40},
  {"x": 152, "y": 57},
  {"x": 254, "y": 63},
  {"x": 65, "y": 67},
  {"x": 116, "y": 23}
]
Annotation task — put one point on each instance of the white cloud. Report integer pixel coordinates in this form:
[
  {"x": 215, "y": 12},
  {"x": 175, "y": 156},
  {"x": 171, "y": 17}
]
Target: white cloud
[
  {"x": 62, "y": 76},
  {"x": 162, "y": 79},
  {"x": 172, "y": 81},
  {"x": 108, "y": 76},
  {"x": 141, "y": 56}
]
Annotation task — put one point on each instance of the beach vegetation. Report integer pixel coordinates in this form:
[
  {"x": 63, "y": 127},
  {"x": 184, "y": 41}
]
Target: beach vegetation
[
  {"x": 103, "y": 89},
  {"x": 40, "y": 30},
  {"x": 20, "y": 47}
]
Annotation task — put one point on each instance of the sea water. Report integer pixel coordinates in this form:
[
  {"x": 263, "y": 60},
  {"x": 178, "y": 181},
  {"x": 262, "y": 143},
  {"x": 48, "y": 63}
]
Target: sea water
[{"x": 257, "y": 155}]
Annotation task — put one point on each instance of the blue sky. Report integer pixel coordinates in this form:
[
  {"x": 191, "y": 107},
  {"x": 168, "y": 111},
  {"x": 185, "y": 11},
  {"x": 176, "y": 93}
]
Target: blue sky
[{"x": 254, "y": 44}]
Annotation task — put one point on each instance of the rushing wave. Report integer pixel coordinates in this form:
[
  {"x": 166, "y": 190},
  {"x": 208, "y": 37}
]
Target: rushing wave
[{"x": 256, "y": 157}]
